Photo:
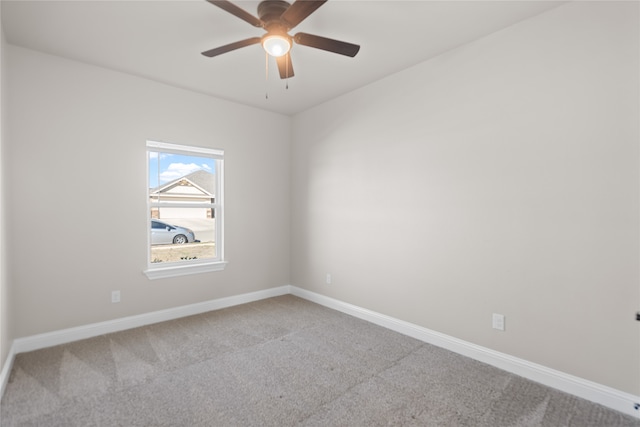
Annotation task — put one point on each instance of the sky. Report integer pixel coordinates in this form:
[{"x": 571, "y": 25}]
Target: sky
[{"x": 167, "y": 167}]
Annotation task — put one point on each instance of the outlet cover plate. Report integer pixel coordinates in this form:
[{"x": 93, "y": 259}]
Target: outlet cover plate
[{"x": 498, "y": 321}]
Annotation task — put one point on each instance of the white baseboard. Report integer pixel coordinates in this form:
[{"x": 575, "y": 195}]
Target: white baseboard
[
  {"x": 6, "y": 370},
  {"x": 606, "y": 396},
  {"x": 594, "y": 392},
  {"x": 50, "y": 339},
  {"x": 36, "y": 342}
]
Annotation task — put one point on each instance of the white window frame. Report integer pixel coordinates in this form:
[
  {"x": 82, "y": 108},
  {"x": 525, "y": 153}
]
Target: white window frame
[{"x": 160, "y": 270}]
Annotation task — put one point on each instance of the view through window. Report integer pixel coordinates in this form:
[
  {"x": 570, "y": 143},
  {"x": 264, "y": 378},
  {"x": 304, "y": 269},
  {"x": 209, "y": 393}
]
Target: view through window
[{"x": 185, "y": 204}]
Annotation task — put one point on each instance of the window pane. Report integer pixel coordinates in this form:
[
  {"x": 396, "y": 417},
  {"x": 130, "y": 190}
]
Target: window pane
[
  {"x": 185, "y": 207},
  {"x": 183, "y": 225},
  {"x": 180, "y": 178},
  {"x": 182, "y": 234}
]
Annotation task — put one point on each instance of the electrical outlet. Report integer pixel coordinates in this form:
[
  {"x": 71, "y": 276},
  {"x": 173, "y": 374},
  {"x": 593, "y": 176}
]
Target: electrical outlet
[
  {"x": 498, "y": 322},
  {"x": 328, "y": 279},
  {"x": 115, "y": 296}
]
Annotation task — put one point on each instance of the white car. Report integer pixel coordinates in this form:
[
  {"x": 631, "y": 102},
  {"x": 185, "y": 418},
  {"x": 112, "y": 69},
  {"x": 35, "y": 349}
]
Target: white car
[{"x": 166, "y": 234}]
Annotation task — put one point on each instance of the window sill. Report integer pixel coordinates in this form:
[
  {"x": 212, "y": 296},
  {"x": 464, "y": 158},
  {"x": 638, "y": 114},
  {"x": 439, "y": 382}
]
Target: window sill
[{"x": 183, "y": 270}]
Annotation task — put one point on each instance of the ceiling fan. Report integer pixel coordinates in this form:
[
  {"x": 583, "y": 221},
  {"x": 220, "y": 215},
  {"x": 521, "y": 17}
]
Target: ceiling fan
[{"x": 278, "y": 17}]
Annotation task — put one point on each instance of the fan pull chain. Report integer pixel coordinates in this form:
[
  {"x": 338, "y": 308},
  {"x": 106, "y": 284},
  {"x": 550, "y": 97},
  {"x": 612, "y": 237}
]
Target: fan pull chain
[
  {"x": 266, "y": 75},
  {"x": 287, "y": 59}
]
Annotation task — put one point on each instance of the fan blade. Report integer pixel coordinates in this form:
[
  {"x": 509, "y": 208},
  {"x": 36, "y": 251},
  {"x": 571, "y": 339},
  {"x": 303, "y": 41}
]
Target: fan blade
[
  {"x": 232, "y": 46},
  {"x": 335, "y": 46},
  {"x": 285, "y": 66},
  {"x": 299, "y": 10},
  {"x": 237, "y": 11}
]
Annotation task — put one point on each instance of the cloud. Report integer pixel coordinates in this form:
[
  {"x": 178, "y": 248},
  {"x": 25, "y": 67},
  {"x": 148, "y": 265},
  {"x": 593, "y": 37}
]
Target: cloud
[
  {"x": 178, "y": 170},
  {"x": 155, "y": 155}
]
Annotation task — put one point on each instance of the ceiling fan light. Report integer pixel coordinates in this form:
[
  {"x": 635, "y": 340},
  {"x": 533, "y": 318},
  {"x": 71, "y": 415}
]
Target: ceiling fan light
[{"x": 276, "y": 45}]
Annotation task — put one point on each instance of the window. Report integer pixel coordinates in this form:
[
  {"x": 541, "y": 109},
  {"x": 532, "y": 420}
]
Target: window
[{"x": 184, "y": 209}]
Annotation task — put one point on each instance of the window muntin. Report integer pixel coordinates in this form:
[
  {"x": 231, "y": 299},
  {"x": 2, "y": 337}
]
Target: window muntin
[{"x": 184, "y": 199}]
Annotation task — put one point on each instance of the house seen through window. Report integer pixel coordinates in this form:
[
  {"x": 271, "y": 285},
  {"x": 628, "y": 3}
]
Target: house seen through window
[{"x": 184, "y": 204}]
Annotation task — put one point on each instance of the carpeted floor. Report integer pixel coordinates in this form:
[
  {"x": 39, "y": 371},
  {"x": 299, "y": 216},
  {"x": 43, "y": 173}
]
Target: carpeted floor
[{"x": 278, "y": 362}]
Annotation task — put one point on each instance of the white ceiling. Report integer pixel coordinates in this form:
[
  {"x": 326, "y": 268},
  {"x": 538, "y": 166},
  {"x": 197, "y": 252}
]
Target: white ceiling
[{"x": 162, "y": 40}]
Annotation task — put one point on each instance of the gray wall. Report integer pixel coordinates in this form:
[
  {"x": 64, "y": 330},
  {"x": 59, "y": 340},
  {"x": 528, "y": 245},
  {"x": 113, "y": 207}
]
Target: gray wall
[
  {"x": 77, "y": 193},
  {"x": 5, "y": 338},
  {"x": 500, "y": 177}
]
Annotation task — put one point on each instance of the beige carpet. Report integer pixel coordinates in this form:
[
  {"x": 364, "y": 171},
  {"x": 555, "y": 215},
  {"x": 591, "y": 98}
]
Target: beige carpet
[{"x": 278, "y": 362}]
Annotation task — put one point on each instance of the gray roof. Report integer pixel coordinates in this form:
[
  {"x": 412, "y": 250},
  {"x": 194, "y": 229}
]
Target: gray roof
[{"x": 200, "y": 178}]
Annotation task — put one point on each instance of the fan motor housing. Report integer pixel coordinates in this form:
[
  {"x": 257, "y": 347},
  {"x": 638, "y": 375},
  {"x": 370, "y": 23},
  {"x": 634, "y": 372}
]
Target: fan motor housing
[{"x": 271, "y": 10}]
